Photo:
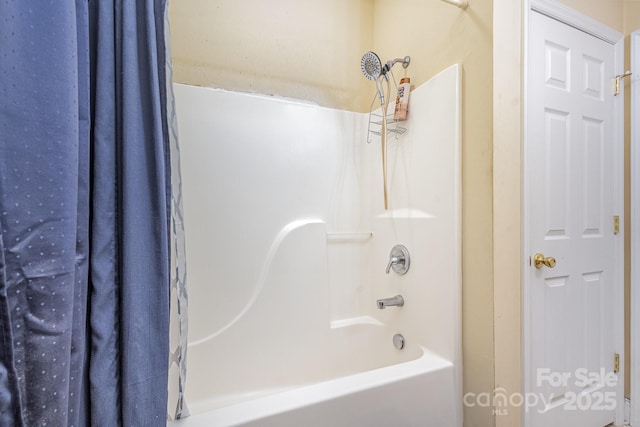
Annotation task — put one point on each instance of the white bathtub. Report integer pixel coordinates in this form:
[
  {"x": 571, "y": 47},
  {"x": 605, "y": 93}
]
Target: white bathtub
[
  {"x": 415, "y": 393},
  {"x": 281, "y": 362}
]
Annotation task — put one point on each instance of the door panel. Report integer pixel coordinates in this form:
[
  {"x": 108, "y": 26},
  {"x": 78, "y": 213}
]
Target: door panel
[{"x": 571, "y": 187}]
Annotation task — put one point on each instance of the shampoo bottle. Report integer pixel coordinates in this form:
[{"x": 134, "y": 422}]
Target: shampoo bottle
[{"x": 402, "y": 99}]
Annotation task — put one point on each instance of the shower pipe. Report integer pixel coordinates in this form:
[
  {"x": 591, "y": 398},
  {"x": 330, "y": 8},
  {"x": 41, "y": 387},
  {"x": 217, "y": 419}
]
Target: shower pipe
[{"x": 462, "y": 4}]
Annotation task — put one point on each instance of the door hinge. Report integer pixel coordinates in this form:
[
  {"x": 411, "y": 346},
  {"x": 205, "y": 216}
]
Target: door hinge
[
  {"x": 616, "y": 224},
  {"x": 616, "y": 363},
  {"x": 616, "y": 82}
]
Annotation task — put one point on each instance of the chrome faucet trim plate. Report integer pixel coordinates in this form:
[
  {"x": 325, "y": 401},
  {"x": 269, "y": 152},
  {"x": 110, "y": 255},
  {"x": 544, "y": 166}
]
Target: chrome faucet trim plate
[{"x": 398, "y": 260}]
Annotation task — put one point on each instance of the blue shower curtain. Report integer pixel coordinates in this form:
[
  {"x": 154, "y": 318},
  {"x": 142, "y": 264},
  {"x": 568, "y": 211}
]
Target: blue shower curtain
[{"x": 84, "y": 213}]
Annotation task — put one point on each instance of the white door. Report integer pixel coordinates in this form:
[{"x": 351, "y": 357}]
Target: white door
[{"x": 570, "y": 205}]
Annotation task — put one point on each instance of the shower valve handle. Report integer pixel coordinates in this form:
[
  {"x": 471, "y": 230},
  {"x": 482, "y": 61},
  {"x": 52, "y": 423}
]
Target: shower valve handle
[
  {"x": 398, "y": 260},
  {"x": 394, "y": 261}
]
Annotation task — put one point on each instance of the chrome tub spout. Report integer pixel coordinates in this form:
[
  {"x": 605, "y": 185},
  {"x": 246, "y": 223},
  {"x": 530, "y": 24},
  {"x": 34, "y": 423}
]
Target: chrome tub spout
[{"x": 396, "y": 301}]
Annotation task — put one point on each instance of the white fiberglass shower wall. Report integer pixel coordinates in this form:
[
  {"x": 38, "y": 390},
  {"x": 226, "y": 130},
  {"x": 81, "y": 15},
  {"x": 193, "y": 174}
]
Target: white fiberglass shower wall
[{"x": 288, "y": 242}]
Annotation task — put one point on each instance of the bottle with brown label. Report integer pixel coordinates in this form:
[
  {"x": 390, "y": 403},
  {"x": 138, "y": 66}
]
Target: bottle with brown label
[{"x": 402, "y": 99}]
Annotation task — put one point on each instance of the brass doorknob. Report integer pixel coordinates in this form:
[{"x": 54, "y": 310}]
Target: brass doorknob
[{"x": 540, "y": 261}]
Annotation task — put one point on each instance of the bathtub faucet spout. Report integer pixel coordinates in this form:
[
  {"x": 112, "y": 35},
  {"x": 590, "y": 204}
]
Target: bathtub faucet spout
[{"x": 397, "y": 301}]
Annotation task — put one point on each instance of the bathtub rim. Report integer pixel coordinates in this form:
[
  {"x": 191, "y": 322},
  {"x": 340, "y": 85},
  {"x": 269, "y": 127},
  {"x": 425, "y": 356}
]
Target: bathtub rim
[{"x": 308, "y": 395}]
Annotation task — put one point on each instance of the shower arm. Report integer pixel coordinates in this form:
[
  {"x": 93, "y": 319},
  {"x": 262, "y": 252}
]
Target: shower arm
[{"x": 387, "y": 67}]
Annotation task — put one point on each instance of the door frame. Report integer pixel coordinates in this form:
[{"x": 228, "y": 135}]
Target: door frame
[
  {"x": 635, "y": 230},
  {"x": 590, "y": 26}
]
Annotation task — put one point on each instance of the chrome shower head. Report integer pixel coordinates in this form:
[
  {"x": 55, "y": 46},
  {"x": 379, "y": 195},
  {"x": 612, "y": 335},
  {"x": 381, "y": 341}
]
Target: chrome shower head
[{"x": 371, "y": 65}]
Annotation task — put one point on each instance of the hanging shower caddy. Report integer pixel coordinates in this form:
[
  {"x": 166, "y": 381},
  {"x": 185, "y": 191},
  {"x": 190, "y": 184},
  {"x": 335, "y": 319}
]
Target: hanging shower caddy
[
  {"x": 375, "y": 118},
  {"x": 374, "y": 127}
]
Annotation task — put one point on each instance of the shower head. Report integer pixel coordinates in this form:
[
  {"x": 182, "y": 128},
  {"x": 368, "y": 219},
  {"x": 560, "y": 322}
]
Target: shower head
[
  {"x": 371, "y": 66},
  {"x": 372, "y": 70}
]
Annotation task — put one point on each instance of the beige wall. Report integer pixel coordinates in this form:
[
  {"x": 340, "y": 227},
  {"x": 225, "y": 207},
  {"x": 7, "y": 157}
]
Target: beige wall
[
  {"x": 507, "y": 212},
  {"x": 631, "y": 16},
  {"x": 608, "y": 12},
  {"x": 304, "y": 49},
  {"x": 311, "y": 50}
]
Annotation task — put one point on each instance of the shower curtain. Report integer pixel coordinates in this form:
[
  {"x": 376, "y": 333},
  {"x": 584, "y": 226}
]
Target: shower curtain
[{"x": 85, "y": 213}]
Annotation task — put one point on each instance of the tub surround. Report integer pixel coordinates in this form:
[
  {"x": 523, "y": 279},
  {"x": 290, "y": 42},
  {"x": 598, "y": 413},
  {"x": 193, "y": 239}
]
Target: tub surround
[{"x": 287, "y": 244}]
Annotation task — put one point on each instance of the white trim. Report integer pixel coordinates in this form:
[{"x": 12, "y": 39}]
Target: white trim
[
  {"x": 575, "y": 19},
  {"x": 618, "y": 200},
  {"x": 590, "y": 26},
  {"x": 526, "y": 238},
  {"x": 635, "y": 229}
]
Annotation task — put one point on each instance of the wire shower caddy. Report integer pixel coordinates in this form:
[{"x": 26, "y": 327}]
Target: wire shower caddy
[{"x": 375, "y": 119}]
